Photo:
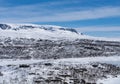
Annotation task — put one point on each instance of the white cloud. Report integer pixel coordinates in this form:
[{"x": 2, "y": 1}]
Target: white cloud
[
  {"x": 42, "y": 13},
  {"x": 98, "y": 28}
]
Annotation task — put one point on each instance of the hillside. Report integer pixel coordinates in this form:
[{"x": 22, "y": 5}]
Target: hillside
[
  {"x": 46, "y": 41},
  {"x": 47, "y": 54}
]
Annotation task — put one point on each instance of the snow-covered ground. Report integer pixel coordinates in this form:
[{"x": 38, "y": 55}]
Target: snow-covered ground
[
  {"x": 16, "y": 71},
  {"x": 17, "y": 62},
  {"x": 110, "y": 60},
  {"x": 85, "y": 60},
  {"x": 12, "y": 71},
  {"x": 110, "y": 80}
]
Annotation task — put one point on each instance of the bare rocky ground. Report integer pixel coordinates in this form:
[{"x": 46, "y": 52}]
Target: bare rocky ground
[{"x": 48, "y": 72}]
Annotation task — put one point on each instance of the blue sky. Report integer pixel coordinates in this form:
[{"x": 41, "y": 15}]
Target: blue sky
[{"x": 92, "y": 17}]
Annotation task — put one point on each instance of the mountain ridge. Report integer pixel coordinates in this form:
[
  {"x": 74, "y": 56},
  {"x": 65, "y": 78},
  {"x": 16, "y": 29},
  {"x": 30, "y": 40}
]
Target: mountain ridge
[
  {"x": 37, "y": 31},
  {"x": 50, "y": 32},
  {"x": 32, "y": 26}
]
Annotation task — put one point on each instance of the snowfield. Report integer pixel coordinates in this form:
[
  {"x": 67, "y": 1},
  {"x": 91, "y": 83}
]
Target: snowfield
[
  {"x": 85, "y": 60},
  {"x": 21, "y": 70},
  {"x": 110, "y": 60},
  {"x": 110, "y": 80}
]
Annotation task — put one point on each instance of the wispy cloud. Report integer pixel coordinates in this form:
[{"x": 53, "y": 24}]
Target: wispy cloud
[
  {"x": 99, "y": 29},
  {"x": 44, "y": 13}
]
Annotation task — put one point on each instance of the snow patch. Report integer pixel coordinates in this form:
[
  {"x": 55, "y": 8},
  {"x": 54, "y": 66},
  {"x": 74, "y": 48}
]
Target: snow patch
[
  {"x": 110, "y": 60},
  {"x": 110, "y": 80}
]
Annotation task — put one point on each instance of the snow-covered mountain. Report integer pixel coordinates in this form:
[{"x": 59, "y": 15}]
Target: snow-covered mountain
[
  {"x": 47, "y": 41},
  {"x": 33, "y": 26},
  {"x": 37, "y": 31},
  {"x": 49, "y": 32}
]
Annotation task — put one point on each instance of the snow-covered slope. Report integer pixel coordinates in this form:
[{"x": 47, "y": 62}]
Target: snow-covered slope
[
  {"x": 46, "y": 54},
  {"x": 46, "y": 41},
  {"x": 61, "y": 71},
  {"x": 37, "y": 31},
  {"x": 50, "y": 32}
]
